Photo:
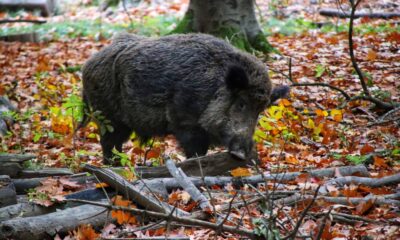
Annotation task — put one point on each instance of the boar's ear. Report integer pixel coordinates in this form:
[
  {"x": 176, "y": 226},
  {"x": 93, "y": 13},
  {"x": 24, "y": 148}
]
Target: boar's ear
[
  {"x": 279, "y": 92},
  {"x": 236, "y": 78}
]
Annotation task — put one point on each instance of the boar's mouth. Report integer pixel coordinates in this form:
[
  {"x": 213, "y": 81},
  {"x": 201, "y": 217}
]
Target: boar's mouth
[
  {"x": 240, "y": 147},
  {"x": 238, "y": 154}
]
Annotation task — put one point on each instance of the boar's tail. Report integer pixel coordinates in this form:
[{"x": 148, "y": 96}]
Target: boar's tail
[{"x": 279, "y": 92}]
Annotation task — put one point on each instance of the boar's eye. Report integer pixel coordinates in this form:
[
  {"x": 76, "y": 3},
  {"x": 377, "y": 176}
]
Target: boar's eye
[{"x": 236, "y": 78}]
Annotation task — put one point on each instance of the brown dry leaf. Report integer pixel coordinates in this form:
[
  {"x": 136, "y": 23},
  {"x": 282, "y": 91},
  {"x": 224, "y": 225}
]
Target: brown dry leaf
[
  {"x": 68, "y": 184},
  {"x": 371, "y": 55},
  {"x": 351, "y": 191},
  {"x": 366, "y": 149},
  {"x": 303, "y": 178},
  {"x": 190, "y": 206},
  {"x": 185, "y": 197},
  {"x": 364, "y": 206},
  {"x": 241, "y": 172},
  {"x": 393, "y": 37}
]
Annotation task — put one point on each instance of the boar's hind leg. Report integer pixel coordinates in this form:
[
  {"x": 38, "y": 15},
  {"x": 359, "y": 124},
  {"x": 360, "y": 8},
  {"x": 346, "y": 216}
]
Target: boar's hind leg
[
  {"x": 195, "y": 142},
  {"x": 116, "y": 138}
]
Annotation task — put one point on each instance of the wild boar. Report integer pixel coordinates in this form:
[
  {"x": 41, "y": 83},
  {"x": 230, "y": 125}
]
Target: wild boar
[{"x": 196, "y": 87}]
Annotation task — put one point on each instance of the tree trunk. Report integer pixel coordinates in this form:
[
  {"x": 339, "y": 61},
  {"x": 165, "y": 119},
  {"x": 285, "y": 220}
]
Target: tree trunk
[{"x": 233, "y": 20}]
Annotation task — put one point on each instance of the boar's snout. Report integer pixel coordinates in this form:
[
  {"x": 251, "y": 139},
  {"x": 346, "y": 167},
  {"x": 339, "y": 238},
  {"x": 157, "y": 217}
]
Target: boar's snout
[{"x": 241, "y": 147}]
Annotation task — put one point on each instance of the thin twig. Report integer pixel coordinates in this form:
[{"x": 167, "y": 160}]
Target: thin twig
[
  {"x": 321, "y": 229},
  {"x": 302, "y": 216},
  {"x": 166, "y": 216}
]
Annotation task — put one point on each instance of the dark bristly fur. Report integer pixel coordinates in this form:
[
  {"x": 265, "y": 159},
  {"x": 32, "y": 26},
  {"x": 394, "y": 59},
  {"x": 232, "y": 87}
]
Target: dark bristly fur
[{"x": 194, "y": 86}]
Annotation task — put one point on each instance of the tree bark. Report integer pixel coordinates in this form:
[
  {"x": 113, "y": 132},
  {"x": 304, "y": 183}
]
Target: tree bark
[
  {"x": 8, "y": 195},
  {"x": 47, "y": 226},
  {"x": 234, "y": 20}
]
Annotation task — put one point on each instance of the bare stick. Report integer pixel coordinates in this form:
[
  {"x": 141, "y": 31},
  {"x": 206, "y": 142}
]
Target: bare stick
[
  {"x": 188, "y": 186},
  {"x": 293, "y": 233},
  {"x": 321, "y": 229},
  {"x": 167, "y": 216},
  {"x": 347, "y": 96}
]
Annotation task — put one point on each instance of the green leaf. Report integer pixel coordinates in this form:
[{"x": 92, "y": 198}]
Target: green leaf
[
  {"x": 37, "y": 137},
  {"x": 319, "y": 70}
]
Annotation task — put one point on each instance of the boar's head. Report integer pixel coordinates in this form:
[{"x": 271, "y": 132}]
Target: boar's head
[{"x": 232, "y": 115}]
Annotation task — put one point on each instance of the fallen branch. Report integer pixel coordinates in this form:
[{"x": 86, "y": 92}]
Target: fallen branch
[
  {"x": 171, "y": 183},
  {"x": 380, "y": 104},
  {"x": 130, "y": 191},
  {"x": 347, "y": 218},
  {"x": 370, "y": 182},
  {"x": 297, "y": 198},
  {"x": 8, "y": 196},
  {"x": 166, "y": 216},
  {"x": 45, "y": 172},
  {"x": 22, "y": 20},
  {"x": 347, "y": 96},
  {"x": 331, "y": 12},
  {"x": 24, "y": 210},
  {"x": 188, "y": 186},
  {"x": 15, "y": 158},
  {"x": 212, "y": 165},
  {"x": 40, "y": 227}
]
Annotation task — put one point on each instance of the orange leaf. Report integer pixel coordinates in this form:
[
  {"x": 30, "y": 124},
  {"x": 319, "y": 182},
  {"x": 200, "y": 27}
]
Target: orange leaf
[
  {"x": 123, "y": 216},
  {"x": 292, "y": 160},
  {"x": 366, "y": 149},
  {"x": 241, "y": 172},
  {"x": 190, "y": 206},
  {"x": 159, "y": 232},
  {"x": 101, "y": 185},
  {"x": 153, "y": 153},
  {"x": 380, "y": 162},
  {"x": 285, "y": 102},
  {"x": 321, "y": 113},
  {"x": 86, "y": 232},
  {"x": 371, "y": 55},
  {"x": 302, "y": 178}
]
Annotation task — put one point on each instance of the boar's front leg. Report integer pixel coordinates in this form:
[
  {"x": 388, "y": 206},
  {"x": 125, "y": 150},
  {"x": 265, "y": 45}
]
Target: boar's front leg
[
  {"x": 114, "y": 139},
  {"x": 194, "y": 141}
]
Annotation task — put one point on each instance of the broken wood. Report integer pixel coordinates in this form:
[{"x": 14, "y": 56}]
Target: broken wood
[
  {"x": 10, "y": 169},
  {"x": 212, "y": 165},
  {"x": 45, "y": 172},
  {"x": 171, "y": 183},
  {"x": 370, "y": 182},
  {"x": 23, "y": 184},
  {"x": 5, "y": 121},
  {"x": 22, "y": 20},
  {"x": 21, "y": 37},
  {"x": 24, "y": 210},
  {"x": 378, "y": 200},
  {"x": 172, "y": 217},
  {"x": 41, "y": 227},
  {"x": 332, "y": 12},
  {"x": 8, "y": 196},
  {"x": 188, "y": 186},
  {"x": 46, "y": 7},
  {"x": 139, "y": 195},
  {"x": 15, "y": 158}
]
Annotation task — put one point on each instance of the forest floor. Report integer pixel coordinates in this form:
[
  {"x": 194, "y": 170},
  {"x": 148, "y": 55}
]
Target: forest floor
[{"x": 314, "y": 128}]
